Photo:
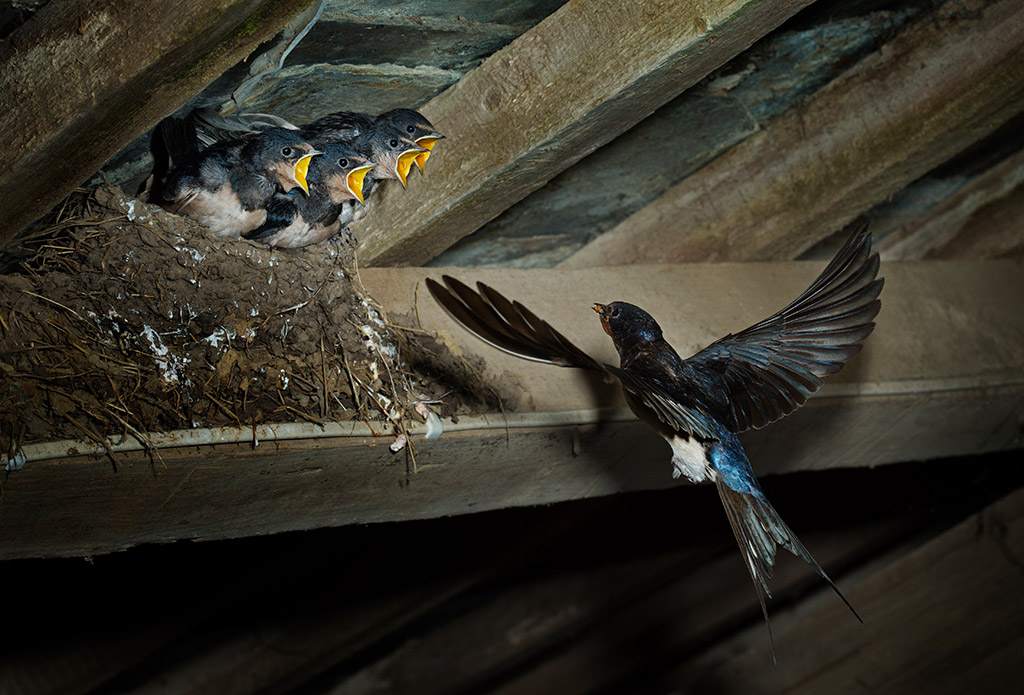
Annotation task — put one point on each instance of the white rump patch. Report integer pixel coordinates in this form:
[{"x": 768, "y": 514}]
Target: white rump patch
[{"x": 689, "y": 459}]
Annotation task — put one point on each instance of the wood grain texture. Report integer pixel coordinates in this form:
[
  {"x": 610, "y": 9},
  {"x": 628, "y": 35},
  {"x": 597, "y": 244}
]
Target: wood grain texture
[
  {"x": 934, "y": 89},
  {"x": 946, "y": 618},
  {"x": 980, "y": 220},
  {"x": 82, "y": 78},
  {"x": 941, "y": 376},
  {"x": 565, "y": 87}
]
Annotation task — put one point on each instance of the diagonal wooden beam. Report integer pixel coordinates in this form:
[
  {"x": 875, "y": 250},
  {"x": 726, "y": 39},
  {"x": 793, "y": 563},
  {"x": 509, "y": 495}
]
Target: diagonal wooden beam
[
  {"x": 82, "y": 78},
  {"x": 923, "y": 97},
  {"x": 963, "y": 586},
  {"x": 572, "y": 83},
  {"x": 981, "y": 220}
]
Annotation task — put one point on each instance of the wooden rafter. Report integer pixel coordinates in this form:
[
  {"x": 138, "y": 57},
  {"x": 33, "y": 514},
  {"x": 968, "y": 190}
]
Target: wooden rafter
[
  {"x": 932, "y": 91},
  {"x": 572, "y": 83},
  {"x": 82, "y": 79}
]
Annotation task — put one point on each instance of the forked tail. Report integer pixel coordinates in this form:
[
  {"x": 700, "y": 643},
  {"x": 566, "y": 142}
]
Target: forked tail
[{"x": 759, "y": 531}]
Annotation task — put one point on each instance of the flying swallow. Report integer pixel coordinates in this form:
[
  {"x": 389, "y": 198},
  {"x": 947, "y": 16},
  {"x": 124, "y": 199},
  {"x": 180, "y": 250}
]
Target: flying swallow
[
  {"x": 699, "y": 404},
  {"x": 295, "y": 220}
]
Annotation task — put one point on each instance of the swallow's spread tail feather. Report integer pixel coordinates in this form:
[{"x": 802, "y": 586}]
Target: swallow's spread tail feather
[{"x": 759, "y": 531}]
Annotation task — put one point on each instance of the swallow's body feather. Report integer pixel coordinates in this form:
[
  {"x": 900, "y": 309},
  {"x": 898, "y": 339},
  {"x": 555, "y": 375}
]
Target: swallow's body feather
[
  {"x": 699, "y": 404},
  {"x": 227, "y": 186},
  {"x": 294, "y": 220}
]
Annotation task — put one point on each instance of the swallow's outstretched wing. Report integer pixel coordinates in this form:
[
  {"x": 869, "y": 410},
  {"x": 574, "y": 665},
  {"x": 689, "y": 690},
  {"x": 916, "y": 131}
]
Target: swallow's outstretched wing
[
  {"x": 512, "y": 328},
  {"x": 771, "y": 368}
]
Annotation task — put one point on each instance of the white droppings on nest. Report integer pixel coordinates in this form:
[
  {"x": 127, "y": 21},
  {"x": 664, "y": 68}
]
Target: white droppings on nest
[
  {"x": 221, "y": 335},
  {"x": 372, "y": 338},
  {"x": 170, "y": 365},
  {"x": 283, "y": 377},
  {"x": 196, "y": 255}
]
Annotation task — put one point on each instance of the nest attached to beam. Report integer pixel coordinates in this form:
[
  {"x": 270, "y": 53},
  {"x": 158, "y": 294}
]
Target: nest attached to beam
[{"x": 120, "y": 319}]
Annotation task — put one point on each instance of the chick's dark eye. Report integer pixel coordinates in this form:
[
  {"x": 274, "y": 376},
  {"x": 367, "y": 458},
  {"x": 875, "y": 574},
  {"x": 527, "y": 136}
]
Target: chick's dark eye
[
  {"x": 410, "y": 129},
  {"x": 393, "y": 143},
  {"x": 343, "y": 163},
  {"x": 286, "y": 151}
]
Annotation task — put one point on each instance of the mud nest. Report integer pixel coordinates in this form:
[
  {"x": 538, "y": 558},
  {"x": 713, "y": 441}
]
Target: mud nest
[{"x": 119, "y": 319}]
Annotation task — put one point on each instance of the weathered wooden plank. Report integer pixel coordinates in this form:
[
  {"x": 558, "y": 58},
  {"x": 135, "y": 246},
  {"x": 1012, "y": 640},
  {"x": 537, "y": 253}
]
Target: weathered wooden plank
[
  {"x": 939, "y": 377},
  {"x": 568, "y": 85},
  {"x": 946, "y": 618},
  {"x": 736, "y": 101},
  {"x": 981, "y": 220},
  {"x": 82, "y": 78},
  {"x": 924, "y": 96},
  {"x": 578, "y": 631}
]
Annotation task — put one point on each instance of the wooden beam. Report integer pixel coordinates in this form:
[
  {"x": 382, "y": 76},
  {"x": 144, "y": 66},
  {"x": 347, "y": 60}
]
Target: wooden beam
[
  {"x": 577, "y": 630},
  {"x": 83, "y": 78},
  {"x": 939, "y": 377},
  {"x": 567, "y": 86},
  {"x": 946, "y": 618},
  {"x": 920, "y": 99},
  {"x": 981, "y": 220}
]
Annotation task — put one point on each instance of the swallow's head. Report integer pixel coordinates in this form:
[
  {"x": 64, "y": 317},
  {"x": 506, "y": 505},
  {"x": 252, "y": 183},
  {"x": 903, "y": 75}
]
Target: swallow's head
[
  {"x": 344, "y": 169},
  {"x": 390, "y": 150},
  {"x": 414, "y": 126},
  {"x": 628, "y": 324},
  {"x": 285, "y": 156}
]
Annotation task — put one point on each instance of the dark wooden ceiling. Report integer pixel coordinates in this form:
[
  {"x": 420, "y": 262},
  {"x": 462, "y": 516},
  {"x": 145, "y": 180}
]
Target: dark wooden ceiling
[{"x": 775, "y": 129}]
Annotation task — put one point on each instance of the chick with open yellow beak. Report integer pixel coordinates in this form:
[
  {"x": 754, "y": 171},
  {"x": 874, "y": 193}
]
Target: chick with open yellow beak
[
  {"x": 414, "y": 126},
  {"x": 389, "y": 149}
]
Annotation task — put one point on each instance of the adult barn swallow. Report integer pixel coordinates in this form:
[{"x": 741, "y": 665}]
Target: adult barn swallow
[
  {"x": 417, "y": 128},
  {"x": 742, "y": 381},
  {"x": 227, "y": 186},
  {"x": 295, "y": 220}
]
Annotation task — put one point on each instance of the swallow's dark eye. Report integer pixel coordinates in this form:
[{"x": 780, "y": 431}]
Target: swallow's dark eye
[
  {"x": 410, "y": 129},
  {"x": 343, "y": 163},
  {"x": 286, "y": 151},
  {"x": 393, "y": 143},
  {"x": 615, "y": 313}
]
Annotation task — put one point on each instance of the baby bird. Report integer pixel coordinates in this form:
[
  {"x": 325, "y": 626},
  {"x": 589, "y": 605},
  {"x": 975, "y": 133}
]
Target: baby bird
[
  {"x": 295, "y": 220},
  {"x": 227, "y": 186},
  {"x": 416, "y": 127}
]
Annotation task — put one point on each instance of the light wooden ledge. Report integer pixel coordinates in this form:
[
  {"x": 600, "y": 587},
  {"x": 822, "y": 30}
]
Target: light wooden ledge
[{"x": 942, "y": 375}]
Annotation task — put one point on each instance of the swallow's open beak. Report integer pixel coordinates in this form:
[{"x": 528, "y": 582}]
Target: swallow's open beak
[
  {"x": 301, "y": 167},
  {"x": 354, "y": 180},
  {"x": 404, "y": 163},
  {"x": 426, "y": 142},
  {"x": 602, "y": 311}
]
